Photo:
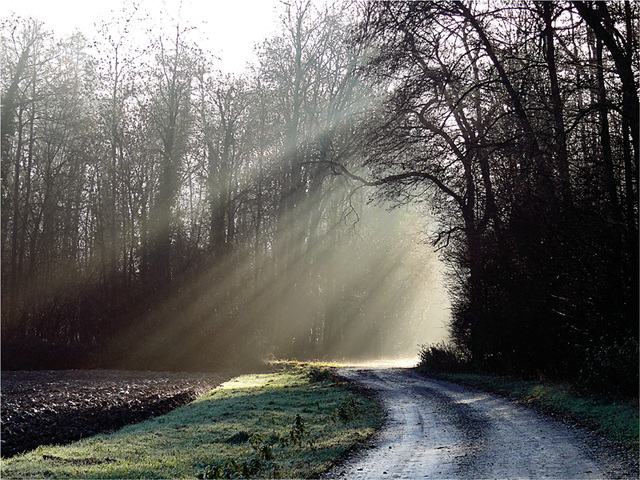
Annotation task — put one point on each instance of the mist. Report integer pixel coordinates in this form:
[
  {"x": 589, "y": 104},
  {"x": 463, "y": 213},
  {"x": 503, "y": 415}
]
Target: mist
[
  {"x": 189, "y": 219},
  {"x": 370, "y": 289}
]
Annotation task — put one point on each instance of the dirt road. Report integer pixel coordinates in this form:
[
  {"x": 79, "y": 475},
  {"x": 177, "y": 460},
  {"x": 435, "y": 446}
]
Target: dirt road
[{"x": 441, "y": 430}]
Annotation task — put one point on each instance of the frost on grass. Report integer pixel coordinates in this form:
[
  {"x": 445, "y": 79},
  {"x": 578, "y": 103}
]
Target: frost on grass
[{"x": 271, "y": 425}]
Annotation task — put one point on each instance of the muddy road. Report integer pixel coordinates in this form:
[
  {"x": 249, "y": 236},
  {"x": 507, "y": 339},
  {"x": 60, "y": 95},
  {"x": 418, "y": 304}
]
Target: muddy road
[{"x": 436, "y": 429}]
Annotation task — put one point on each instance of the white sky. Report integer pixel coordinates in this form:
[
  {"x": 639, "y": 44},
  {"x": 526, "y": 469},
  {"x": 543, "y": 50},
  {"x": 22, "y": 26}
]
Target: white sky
[{"x": 229, "y": 28}]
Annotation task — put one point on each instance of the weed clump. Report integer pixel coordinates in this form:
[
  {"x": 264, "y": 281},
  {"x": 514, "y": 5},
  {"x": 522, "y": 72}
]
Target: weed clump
[
  {"x": 346, "y": 411},
  {"x": 316, "y": 374},
  {"x": 251, "y": 467},
  {"x": 260, "y": 461}
]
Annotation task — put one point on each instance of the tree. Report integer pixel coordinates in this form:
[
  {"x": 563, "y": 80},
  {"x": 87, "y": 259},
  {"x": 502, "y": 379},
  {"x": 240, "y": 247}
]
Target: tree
[
  {"x": 483, "y": 120},
  {"x": 170, "y": 120}
]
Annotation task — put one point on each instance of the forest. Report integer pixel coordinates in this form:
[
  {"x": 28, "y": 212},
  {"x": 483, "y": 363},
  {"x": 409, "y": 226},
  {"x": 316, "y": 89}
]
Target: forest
[{"x": 157, "y": 213}]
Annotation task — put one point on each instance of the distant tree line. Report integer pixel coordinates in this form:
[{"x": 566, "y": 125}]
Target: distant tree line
[
  {"x": 171, "y": 215},
  {"x": 157, "y": 213},
  {"x": 156, "y": 208},
  {"x": 519, "y": 121}
]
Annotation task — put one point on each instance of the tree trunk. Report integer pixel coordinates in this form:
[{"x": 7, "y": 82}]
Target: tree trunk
[
  {"x": 622, "y": 60},
  {"x": 562, "y": 157},
  {"x": 605, "y": 137}
]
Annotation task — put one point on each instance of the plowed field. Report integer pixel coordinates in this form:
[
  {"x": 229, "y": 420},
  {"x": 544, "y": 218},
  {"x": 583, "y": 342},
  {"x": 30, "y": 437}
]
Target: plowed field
[{"x": 54, "y": 407}]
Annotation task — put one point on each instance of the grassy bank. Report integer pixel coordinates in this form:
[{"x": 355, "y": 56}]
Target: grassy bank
[
  {"x": 291, "y": 423},
  {"x": 614, "y": 419}
]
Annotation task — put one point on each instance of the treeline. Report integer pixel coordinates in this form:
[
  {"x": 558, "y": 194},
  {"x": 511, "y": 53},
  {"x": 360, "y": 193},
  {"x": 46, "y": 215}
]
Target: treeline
[
  {"x": 154, "y": 207},
  {"x": 157, "y": 213},
  {"x": 520, "y": 122}
]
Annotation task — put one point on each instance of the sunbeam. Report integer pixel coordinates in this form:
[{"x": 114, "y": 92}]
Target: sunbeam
[{"x": 361, "y": 294}]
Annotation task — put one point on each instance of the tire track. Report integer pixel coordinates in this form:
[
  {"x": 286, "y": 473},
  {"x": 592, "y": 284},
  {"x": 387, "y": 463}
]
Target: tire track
[{"x": 440, "y": 430}]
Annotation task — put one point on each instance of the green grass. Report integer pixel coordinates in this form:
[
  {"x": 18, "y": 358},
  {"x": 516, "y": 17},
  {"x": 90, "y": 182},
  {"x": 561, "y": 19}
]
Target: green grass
[
  {"x": 292, "y": 423},
  {"x": 614, "y": 419}
]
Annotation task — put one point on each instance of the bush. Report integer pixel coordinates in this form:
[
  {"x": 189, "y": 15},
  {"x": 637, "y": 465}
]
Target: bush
[
  {"x": 443, "y": 357},
  {"x": 611, "y": 366}
]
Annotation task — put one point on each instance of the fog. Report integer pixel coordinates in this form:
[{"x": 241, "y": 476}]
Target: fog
[
  {"x": 216, "y": 222},
  {"x": 369, "y": 290}
]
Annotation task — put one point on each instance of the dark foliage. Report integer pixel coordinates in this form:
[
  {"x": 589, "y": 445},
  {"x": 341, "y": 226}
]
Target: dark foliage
[
  {"x": 529, "y": 152},
  {"x": 443, "y": 357}
]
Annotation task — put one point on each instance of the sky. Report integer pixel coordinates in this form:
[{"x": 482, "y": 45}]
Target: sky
[{"x": 228, "y": 28}]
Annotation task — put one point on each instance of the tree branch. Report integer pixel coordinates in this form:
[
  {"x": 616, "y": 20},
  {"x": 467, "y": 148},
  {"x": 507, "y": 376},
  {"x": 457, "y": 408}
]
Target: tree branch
[{"x": 340, "y": 169}]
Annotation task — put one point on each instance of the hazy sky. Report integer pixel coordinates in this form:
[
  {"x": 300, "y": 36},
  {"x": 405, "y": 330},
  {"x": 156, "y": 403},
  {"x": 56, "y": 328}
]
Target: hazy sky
[{"x": 229, "y": 28}]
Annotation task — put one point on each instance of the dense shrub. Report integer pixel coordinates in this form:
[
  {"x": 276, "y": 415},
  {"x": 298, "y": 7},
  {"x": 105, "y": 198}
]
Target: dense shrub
[
  {"x": 443, "y": 357},
  {"x": 611, "y": 366}
]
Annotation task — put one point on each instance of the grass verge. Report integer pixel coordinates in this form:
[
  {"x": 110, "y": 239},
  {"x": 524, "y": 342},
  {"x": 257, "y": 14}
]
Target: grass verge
[
  {"x": 295, "y": 422},
  {"x": 614, "y": 419}
]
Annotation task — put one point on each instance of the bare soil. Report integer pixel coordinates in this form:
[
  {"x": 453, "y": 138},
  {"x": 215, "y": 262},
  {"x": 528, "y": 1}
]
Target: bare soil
[{"x": 60, "y": 406}]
